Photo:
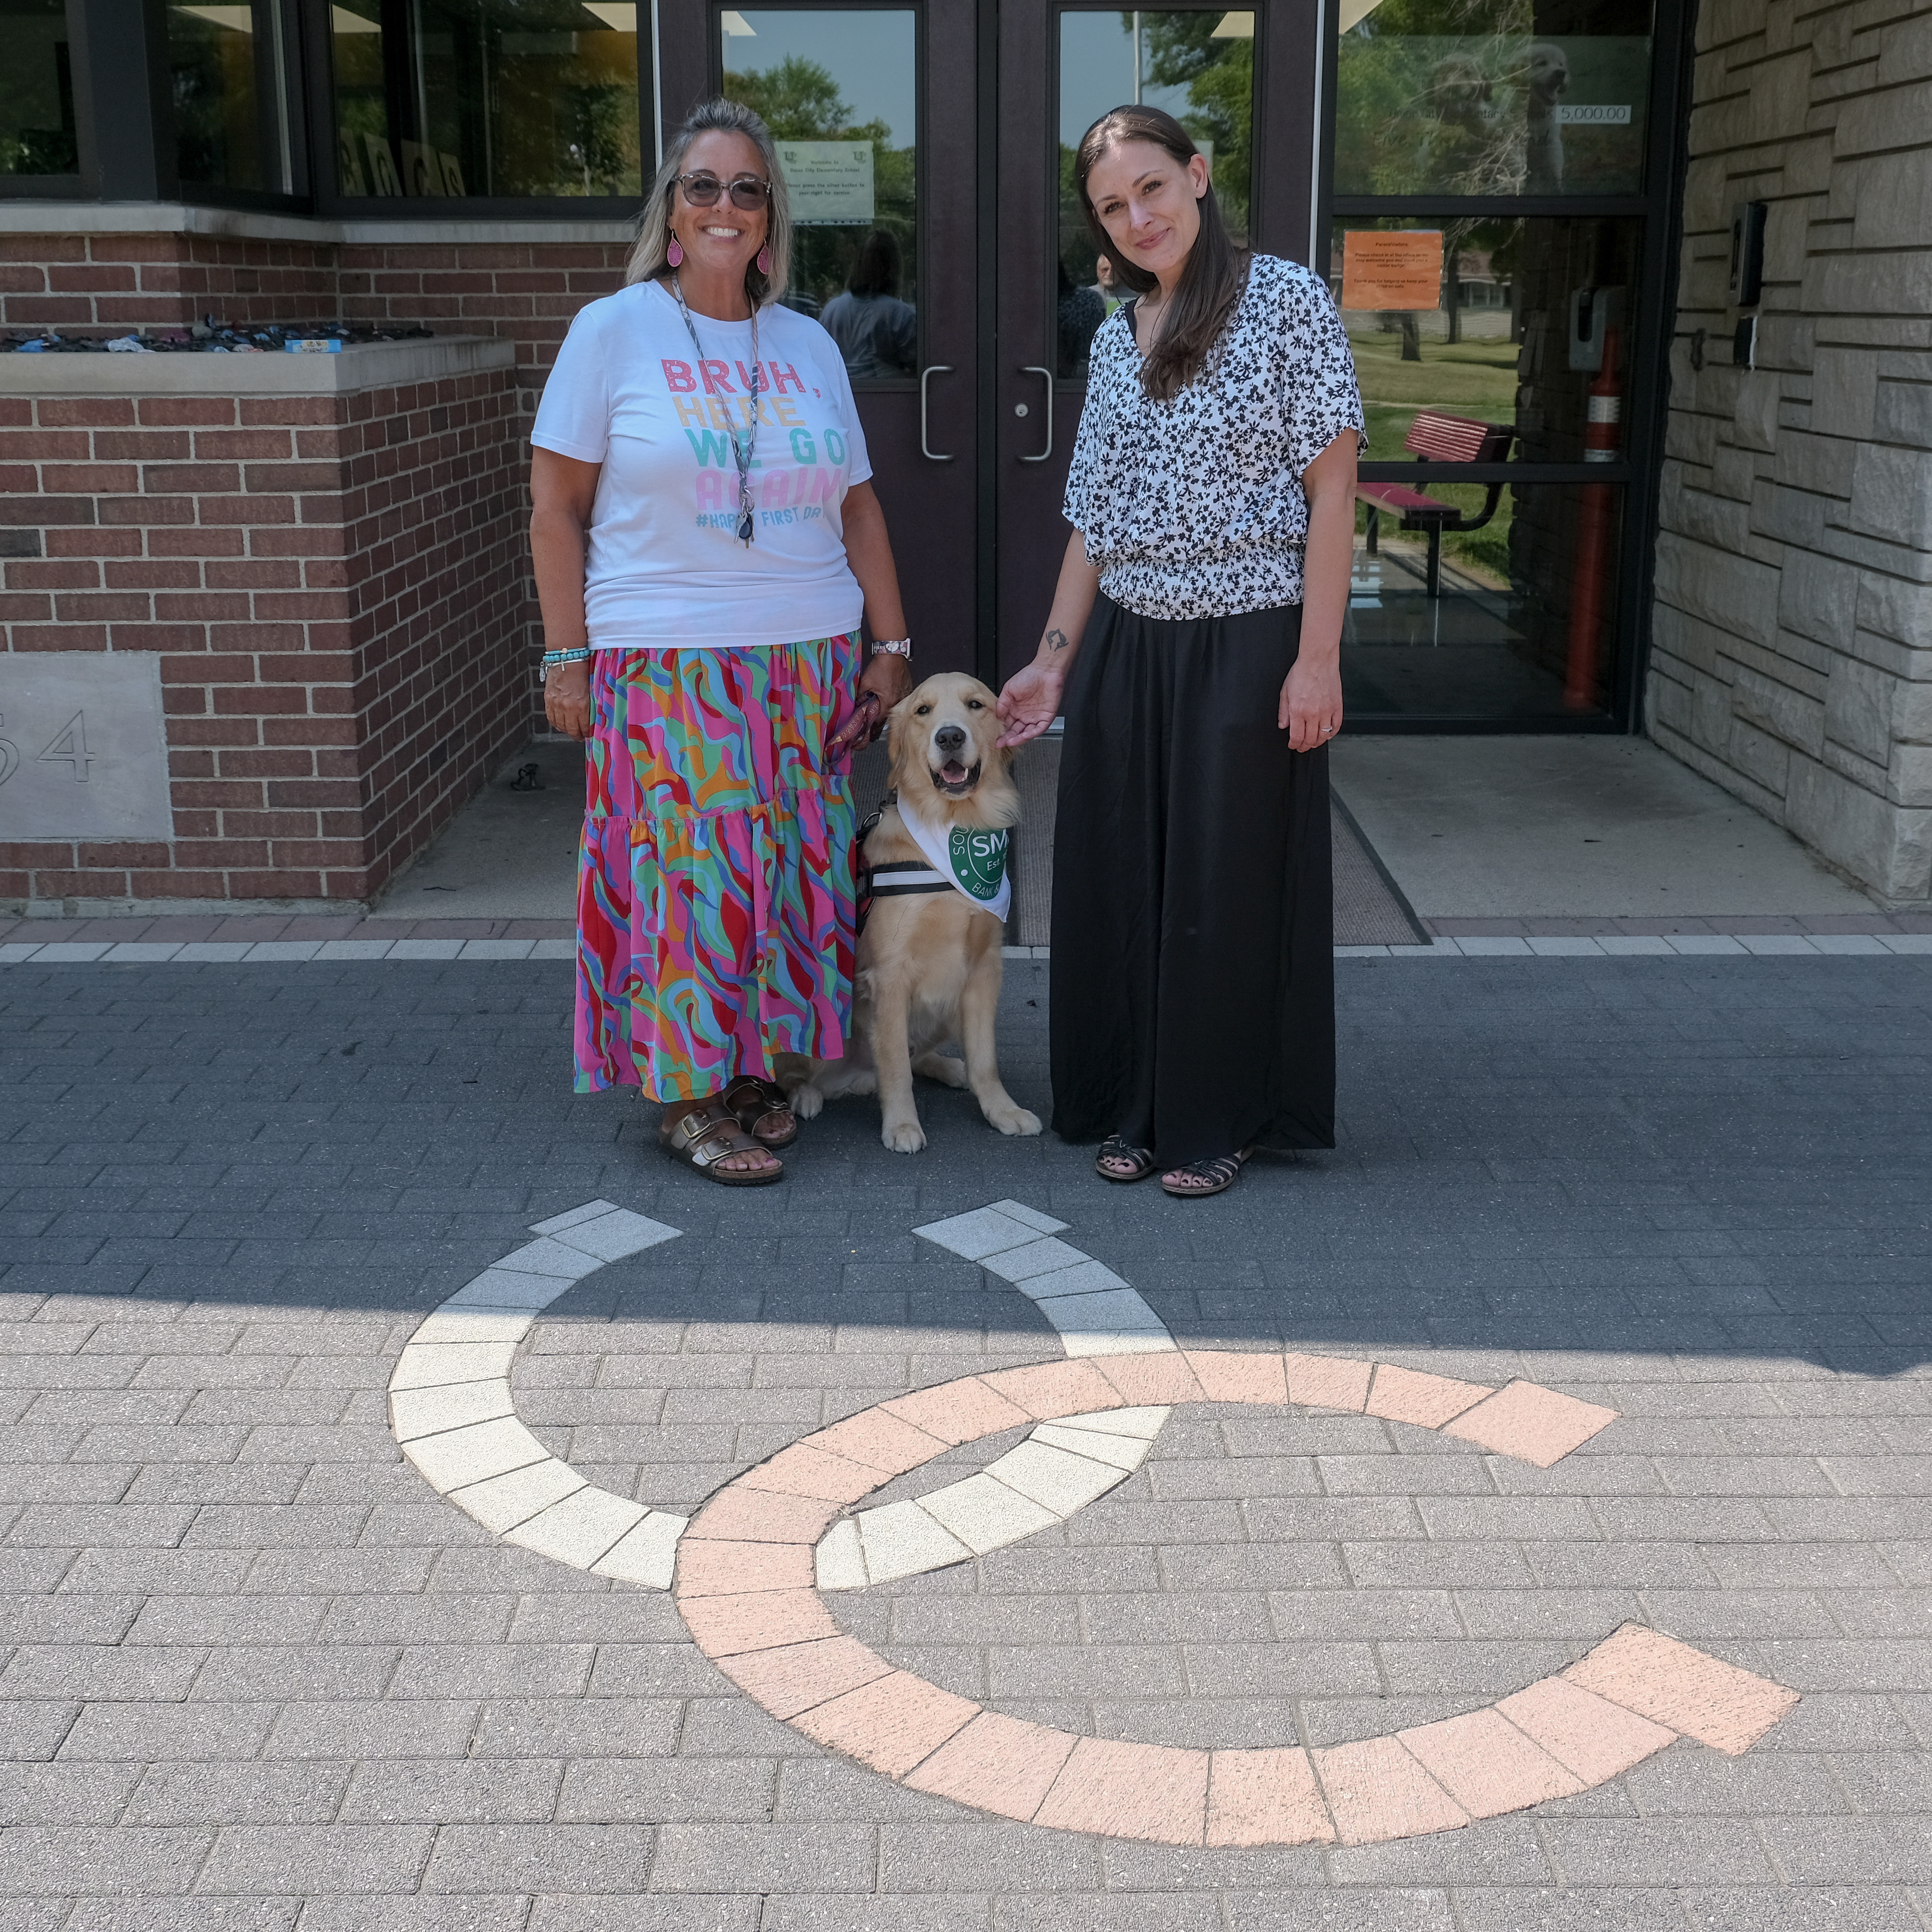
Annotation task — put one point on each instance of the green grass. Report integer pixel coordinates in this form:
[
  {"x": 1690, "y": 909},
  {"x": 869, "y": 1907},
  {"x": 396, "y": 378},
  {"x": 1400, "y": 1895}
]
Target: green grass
[{"x": 1464, "y": 379}]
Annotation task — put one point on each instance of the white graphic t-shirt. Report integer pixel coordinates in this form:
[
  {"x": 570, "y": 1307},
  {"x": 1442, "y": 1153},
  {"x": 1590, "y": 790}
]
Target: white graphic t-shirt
[{"x": 664, "y": 567}]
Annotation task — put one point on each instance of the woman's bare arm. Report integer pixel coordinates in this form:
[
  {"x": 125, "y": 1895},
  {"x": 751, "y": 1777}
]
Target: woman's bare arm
[
  {"x": 1030, "y": 701},
  {"x": 562, "y": 493},
  {"x": 868, "y": 549},
  {"x": 1310, "y": 710}
]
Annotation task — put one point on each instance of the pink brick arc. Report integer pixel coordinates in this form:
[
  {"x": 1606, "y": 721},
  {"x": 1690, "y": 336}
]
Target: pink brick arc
[{"x": 744, "y": 1580}]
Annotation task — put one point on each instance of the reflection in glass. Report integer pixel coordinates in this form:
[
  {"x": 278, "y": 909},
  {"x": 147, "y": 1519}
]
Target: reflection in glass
[
  {"x": 37, "y": 134},
  {"x": 1200, "y": 66},
  {"x": 1491, "y": 96},
  {"x": 224, "y": 75},
  {"x": 839, "y": 92},
  {"x": 365, "y": 161},
  {"x": 497, "y": 97},
  {"x": 1522, "y": 623},
  {"x": 1507, "y": 322}
]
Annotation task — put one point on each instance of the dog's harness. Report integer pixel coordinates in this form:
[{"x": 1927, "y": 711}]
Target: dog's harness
[
  {"x": 902, "y": 877},
  {"x": 979, "y": 860}
]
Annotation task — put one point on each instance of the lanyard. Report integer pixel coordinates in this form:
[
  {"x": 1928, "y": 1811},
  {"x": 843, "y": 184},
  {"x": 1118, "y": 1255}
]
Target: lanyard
[{"x": 742, "y": 453}]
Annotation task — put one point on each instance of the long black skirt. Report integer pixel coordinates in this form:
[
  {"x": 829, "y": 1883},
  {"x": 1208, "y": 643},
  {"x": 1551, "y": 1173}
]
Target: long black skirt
[{"x": 1193, "y": 1008}]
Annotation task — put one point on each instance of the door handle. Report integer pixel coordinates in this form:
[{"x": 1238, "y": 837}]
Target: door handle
[
  {"x": 1034, "y": 369},
  {"x": 925, "y": 376}
]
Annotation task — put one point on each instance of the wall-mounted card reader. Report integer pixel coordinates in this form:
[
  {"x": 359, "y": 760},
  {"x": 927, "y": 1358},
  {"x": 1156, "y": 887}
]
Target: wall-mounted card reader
[
  {"x": 1747, "y": 219},
  {"x": 1592, "y": 313}
]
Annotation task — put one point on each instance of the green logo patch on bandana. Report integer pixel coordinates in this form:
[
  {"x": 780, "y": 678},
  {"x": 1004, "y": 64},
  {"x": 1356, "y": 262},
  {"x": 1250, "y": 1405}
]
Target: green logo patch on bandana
[{"x": 979, "y": 862}]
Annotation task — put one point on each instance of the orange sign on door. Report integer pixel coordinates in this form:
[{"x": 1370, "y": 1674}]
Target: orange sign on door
[{"x": 1381, "y": 270}]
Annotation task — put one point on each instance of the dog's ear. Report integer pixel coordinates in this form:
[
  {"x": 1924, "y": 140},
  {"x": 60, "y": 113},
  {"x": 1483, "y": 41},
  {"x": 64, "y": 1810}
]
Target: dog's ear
[{"x": 899, "y": 734}]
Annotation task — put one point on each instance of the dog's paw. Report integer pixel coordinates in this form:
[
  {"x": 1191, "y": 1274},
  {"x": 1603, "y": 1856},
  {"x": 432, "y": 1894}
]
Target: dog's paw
[
  {"x": 942, "y": 1067},
  {"x": 866, "y": 1081},
  {"x": 903, "y": 1136},
  {"x": 1013, "y": 1121},
  {"x": 807, "y": 1102}
]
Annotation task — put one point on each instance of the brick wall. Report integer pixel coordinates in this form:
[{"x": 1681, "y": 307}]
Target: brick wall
[
  {"x": 526, "y": 291},
  {"x": 334, "y": 584},
  {"x": 1792, "y": 652}
]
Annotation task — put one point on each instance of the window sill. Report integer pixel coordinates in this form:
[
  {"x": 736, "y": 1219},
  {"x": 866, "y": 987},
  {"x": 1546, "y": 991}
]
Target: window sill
[
  {"x": 172, "y": 217},
  {"x": 366, "y": 365}
]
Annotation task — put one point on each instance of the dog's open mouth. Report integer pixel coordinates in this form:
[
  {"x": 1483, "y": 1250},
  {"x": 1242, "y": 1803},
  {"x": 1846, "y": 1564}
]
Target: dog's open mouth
[{"x": 955, "y": 779}]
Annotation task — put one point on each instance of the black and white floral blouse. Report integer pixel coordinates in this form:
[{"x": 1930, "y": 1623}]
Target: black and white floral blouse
[{"x": 1193, "y": 507}]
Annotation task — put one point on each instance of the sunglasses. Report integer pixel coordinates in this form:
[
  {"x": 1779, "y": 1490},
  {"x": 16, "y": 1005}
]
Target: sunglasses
[{"x": 747, "y": 192}]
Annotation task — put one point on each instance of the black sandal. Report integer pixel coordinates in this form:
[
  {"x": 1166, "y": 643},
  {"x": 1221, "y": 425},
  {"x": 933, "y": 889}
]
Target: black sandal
[
  {"x": 754, "y": 1101},
  {"x": 1115, "y": 1148},
  {"x": 710, "y": 1134},
  {"x": 1218, "y": 1175}
]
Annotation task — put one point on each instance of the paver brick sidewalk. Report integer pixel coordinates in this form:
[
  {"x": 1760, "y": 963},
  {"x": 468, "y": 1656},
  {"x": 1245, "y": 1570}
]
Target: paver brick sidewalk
[{"x": 254, "y": 1674}]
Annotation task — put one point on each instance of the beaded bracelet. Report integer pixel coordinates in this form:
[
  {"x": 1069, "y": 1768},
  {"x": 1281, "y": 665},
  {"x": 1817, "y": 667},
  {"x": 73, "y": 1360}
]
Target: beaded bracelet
[{"x": 551, "y": 658}]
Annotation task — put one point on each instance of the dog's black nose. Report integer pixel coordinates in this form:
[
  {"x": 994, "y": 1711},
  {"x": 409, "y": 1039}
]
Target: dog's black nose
[{"x": 949, "y": 738}]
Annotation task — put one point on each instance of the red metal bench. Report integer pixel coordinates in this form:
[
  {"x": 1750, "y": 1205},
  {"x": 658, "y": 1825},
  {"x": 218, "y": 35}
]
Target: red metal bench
[{"x": 1438, "y": 438}]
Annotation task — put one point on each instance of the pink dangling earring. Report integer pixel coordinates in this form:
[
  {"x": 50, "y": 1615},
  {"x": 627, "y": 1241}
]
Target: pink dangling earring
[
  {"x": 765, "y": 259},
  {"x": 674, "y": 254}
]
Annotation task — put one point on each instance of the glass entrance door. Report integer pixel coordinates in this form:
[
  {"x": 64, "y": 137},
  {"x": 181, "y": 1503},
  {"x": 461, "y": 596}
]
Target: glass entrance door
[
  {"x": 929, "y": 147},
  {"x": 1241, "y": 82},
  {"x": 1496, "y": 245}
]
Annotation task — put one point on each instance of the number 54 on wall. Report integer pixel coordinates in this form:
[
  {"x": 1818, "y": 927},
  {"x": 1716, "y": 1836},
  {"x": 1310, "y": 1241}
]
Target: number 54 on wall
[
  {"x": 68, "y": 746},
  {"x": 83, "y": 748}
]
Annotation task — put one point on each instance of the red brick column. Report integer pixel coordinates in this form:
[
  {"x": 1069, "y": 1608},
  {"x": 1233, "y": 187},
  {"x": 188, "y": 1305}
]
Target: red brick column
[{"x": 327, "y": 561}]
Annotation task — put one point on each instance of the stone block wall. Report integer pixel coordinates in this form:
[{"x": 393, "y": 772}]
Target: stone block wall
[
  {"x": 1791, "y": 659},
  {"x": 327, "y": 567}
]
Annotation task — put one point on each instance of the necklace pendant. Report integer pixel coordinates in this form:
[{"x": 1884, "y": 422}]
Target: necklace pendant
[{"x": 744, "y": 526}]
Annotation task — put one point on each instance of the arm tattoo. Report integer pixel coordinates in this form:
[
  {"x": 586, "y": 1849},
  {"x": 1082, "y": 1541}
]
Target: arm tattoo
[{"x": 1056, "y": 641}]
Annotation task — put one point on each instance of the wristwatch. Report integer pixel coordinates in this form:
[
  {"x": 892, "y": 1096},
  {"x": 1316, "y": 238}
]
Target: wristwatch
[{"x": 900, "y": 647}]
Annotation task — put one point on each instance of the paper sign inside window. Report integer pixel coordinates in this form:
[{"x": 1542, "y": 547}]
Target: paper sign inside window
[
  {"x": 830, "y": 182},
  {"x": 1398, "y": 270}
]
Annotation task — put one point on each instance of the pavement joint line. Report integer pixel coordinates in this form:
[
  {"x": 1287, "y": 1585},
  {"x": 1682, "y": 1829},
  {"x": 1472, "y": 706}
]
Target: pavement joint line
[{"x": 337, "y": 952}]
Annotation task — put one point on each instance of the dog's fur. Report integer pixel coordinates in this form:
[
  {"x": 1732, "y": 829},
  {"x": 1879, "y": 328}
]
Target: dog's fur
[{"x": 929, "y": 965}]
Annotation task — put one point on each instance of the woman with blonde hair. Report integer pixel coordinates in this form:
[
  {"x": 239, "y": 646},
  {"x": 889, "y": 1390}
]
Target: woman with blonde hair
[{"x": 706, "y": 541}]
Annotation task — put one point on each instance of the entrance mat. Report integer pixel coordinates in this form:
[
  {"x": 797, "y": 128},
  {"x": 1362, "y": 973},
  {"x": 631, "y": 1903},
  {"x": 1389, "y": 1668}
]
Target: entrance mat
[{"x": 1369, "y": 908}]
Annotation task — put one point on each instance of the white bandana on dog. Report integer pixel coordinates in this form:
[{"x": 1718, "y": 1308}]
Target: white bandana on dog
[{"x": 971, "y": 859}]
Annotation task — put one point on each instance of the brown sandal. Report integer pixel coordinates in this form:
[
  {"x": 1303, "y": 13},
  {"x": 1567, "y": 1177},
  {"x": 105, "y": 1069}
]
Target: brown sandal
[
  {"x": 754, "y": 1102},
  {"x": 710, "y": 1134}
]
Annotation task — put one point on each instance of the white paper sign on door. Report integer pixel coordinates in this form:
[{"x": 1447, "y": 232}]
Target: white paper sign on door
[{"x": 830, "y": 182}]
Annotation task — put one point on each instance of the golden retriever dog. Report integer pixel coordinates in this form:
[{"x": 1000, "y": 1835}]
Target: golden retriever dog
[{"x": 929, "y": 961}]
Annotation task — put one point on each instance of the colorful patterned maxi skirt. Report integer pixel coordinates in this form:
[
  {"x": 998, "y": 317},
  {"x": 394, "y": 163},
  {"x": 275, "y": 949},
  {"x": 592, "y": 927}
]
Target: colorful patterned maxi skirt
[{"x": 714, "y": 890}]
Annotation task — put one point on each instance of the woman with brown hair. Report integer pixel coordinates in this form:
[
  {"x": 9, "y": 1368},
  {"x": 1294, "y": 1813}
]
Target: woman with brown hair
[{"x": 1194, "y": 648}]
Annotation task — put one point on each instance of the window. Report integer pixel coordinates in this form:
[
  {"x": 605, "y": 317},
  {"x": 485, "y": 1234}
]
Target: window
[
  {"x": 1492, "y": 97},
  {"x": 839, "y": 92},
  {"x": 1488, "y": 256},
  {"x": 36, "y": 131},
  {"x": 436, "y": 99},
  {"x": 225, "y": 87}
]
